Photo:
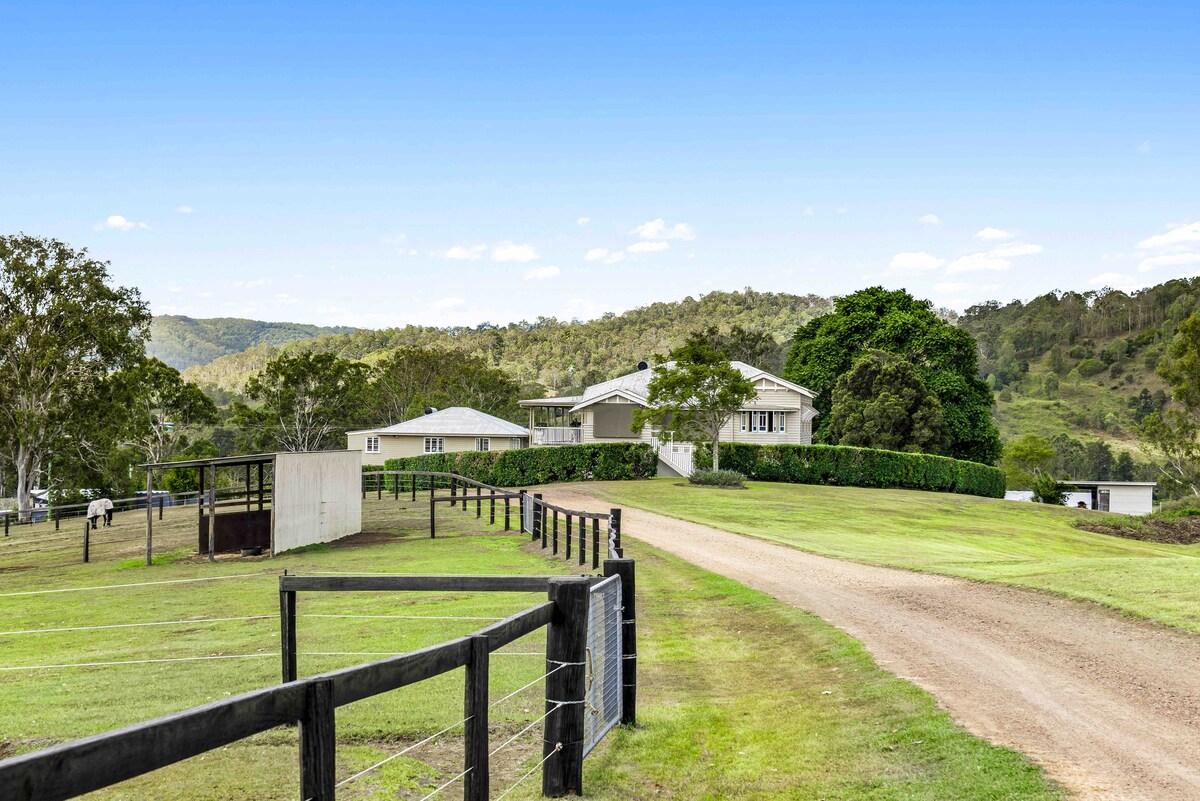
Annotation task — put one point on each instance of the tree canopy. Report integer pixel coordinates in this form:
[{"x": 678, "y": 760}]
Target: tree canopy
[
  {"x": 695, "y": 395},
  {"x": 881, "y": 402},
  {"x": 893, "y": 321},
  {"x": 63, "y": 330},
  {"x": 1175, "y": 432}
]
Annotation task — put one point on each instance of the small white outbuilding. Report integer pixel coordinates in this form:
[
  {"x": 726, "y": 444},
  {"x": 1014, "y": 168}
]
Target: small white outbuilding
[{"x": 1122, "y": 497}]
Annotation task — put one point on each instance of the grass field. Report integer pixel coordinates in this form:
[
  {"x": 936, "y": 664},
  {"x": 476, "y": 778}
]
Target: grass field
[
  {"x": 740, "y": 696},
  {"x": 979, "y": 538}
]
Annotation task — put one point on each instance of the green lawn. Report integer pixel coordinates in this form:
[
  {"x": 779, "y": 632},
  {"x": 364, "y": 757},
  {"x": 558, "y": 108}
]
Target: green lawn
[
  {"x": 740, "y": 696},
  {"x": 958, "y": 535}
]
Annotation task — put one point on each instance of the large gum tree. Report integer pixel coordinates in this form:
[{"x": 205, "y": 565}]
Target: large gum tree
[{"x": 63, "y": 330}]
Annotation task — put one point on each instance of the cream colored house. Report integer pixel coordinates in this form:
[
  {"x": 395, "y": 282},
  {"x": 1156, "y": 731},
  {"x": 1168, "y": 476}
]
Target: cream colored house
[
  {"x": 781, "y": 413},
  {"x": 447, "y": 431}
]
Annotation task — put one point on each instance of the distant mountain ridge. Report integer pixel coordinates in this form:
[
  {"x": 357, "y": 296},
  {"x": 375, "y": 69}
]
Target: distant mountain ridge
[
  {"x": 555, "y": 354},
  {"x": 184, "y": 342}
]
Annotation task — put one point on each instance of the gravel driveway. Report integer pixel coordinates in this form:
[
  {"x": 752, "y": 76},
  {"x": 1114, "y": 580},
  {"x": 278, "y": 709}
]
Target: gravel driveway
[{"x": 1108, "y": 706}]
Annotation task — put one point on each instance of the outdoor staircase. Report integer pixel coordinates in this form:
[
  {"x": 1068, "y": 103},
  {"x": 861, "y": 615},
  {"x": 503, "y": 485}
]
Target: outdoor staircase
[{"x": 677, "y": 456}]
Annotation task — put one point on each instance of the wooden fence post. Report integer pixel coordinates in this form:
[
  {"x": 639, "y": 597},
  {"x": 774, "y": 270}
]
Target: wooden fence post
[
  {"x": 595, "y": 543},
  {"x": 160, "y": 506},
  {"x": 475, "y": 710},
  {"x": 554, "y": 536},
  {"x": 54, "y": 514},
  {"x": 212, "y": 514},
  {"x": 318, "y": 743},
  {"x": 507, "y": 515},
  {"x": 478, "y": 502},
  {"x": 521, "y": 510},
  {"x": 6, "y": 524},
  {"x": 625, "y": 569},
  {"x": 287, "y": 631},
  {"x": 396, "y": 486},
  {"x": 582, "y": 540},
  {"x": 492, "y": 518},
  {"x": 432, "y": 517},
  {"x": 453, "y": 493},
  {"x": 569, "y": 525},
  {"x": 87, "y": 533},
  {"x": 566, "y": 649},
  {"x": 150, "y": 515}
]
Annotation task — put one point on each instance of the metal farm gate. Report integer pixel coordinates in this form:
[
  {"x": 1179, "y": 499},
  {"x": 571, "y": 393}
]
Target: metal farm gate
[{"x": 603, "y": 698}]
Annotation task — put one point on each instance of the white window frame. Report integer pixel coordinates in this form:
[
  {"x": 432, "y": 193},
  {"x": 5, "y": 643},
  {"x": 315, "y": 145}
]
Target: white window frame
[
  {"x": 435, "y": 445},
  {"x": 514, "y": 443},
  {"x": 744, "y": 413},
  {"x": 483, "y": 443},
  {"x": 761, "y": 422},
  {"x": 369, "y": 442},
  {"x": 781, "y": 422}
]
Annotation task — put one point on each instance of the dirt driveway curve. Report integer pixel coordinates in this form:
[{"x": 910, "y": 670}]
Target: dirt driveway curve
[{"x": 1109, "y": 707}]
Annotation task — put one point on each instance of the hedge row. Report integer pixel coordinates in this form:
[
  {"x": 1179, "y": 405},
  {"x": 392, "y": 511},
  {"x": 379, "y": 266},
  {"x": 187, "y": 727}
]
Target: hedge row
[
  {"x": 844, "y": 466},
  {"x": 610, "y": 461}
]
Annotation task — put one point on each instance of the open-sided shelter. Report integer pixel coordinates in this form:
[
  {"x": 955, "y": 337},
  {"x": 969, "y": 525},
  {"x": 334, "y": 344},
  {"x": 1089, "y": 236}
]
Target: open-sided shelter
[{"x": 276, "y": 501}]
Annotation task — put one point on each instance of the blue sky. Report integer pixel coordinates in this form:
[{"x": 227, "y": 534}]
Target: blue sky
[{"x": 380, "y": 164}]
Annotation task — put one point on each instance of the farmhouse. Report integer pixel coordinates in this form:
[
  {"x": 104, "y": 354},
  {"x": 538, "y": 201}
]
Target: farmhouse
[
  {"x": 782, "y": 412},
  {"x": 458, "y": 428}
]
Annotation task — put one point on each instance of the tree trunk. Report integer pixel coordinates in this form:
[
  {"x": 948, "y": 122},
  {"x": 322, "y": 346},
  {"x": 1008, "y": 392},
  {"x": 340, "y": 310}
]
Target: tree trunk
[
  {"x": 27, "y": 469},
  {"x": 716, "y": 443}
]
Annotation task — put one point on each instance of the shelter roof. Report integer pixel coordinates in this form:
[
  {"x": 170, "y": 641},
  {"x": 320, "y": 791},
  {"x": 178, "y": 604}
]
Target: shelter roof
[{"x": 454, "y": 421}]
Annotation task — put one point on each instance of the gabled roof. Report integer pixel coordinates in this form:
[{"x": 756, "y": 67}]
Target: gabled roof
[
  {"x": 634, "y": 387},
  {"x": 457, "y": 421}
]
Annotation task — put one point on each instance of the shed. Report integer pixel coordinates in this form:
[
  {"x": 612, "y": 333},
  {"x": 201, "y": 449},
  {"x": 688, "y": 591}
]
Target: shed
[
  {"x": 1123, "y": 497},
  {"x": 281, "y": 501},
  {"x": 458, "y": 428}
]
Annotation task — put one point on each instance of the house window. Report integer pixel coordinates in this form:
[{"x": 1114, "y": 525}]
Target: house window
[
  {"x": 781, "y": 422},
  {"x": 435, "y": 445},
  {"x": 372, "y": 445},
  {"x": 483, "y": 444},
  {"x": 514, "y": 443},
  {"x": 744, "y": 415},
  {"x": 765, "y": 422}
]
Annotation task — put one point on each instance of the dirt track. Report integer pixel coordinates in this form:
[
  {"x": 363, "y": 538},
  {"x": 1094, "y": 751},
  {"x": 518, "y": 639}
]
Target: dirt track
[{"x": 1109, "y": 707}]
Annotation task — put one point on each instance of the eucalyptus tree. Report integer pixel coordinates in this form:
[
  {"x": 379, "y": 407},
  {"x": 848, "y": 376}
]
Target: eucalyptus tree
[{"x": 64, "y": 329}]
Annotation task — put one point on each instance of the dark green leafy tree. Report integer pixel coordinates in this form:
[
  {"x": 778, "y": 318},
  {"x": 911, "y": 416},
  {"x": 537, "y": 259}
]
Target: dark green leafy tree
[
  {"x": 161, "y": 409},
  {"x": 944, "y": 357},
  {"x": 305, "y": 402},
  {"x": 1125, "y": 469},
  {"x": 695, "y": 395},
  {"x": 882, "y": 403},
  {"x": 1098, "y": 461},
  {"x": 1173, "y": 432},
  {"x": 411, "y": 378},
  {"x": 63, "y": 330},
  {"x": 1026, "y": 458},
  {"x": 757, "y": 348},
  {"x": 1047, "y": 489}
]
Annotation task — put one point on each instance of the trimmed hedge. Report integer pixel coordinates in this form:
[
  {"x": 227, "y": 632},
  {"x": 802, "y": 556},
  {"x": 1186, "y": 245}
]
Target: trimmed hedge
[
  {"x": 610, "y": 461},
  {"x": 843, "y": 466}
]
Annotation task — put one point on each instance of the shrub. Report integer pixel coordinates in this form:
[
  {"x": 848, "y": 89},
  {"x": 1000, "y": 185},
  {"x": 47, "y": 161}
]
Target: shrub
[
  {"x": 717, "y": 478},
  {"x": 1047, "y": 489},
  {"x": 609, "y": 461},
  {"x": 843, "y": 466}
]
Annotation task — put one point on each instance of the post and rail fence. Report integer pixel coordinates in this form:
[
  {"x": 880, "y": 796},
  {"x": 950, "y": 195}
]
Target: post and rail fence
[{"x": 580, "y": 679}]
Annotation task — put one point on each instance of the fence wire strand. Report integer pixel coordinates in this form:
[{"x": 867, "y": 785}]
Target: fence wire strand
[
  {"x": 557, "y": 706},
  {"x": 531, "y": 771},
  {"x": 447, "y": 784},
  {"x": 398, "y": 754},
  {"x": 138, "y": 584},
  {"x": 526, "y": 687}
]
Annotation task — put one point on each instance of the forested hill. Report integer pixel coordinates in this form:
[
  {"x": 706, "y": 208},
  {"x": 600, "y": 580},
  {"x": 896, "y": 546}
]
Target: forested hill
[
  {"x": 554, "y": 353},
  {"x": 1080, "y": 364},
  {"x": 183, "y": 342}
]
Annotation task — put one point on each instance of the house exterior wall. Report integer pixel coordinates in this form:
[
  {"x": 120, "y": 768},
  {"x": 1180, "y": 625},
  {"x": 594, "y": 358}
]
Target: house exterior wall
[
  {"x": 399, "y": 446},
  {"x": 1130, "y": 500}
]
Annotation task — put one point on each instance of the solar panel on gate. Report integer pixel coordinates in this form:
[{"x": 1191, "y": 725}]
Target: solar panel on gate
[{"x": 603, "y": 696}]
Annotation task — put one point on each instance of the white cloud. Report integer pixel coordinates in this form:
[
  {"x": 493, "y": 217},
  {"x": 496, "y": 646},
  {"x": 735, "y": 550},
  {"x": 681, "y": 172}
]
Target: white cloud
[
  {"x": 1015, "y": 249},
  {"x": 1167, "y": 260},
  {"x": 583, "y": 221},
  {"x": 606, "y": 256},
  {"x": 1144, "y": 147},
  {"x": 257, "y": 282},
  {"x": 508, "y": 251},
  {"x": 595, "y": 254},
  {"x": 542, "y": 273},
  {"x": 463, "y": 253},
  {"x": 929, "y": 219},
  {"x": 990, "y": 234},
  {"x": 284, "y": 299},
  {"x": 184, "y": 209},
  {"x": 615, "y": 256},
  {"x": 918, "y": 262},
  {"x": 116, "y": 222},
  {"x": 1124, "y": 283},
  {"x": 949, "y": 287},
  {"x": 1178, "y": 235},
  {"x": 443, "y": 304},
  {"x": 648, "y": 247},
  {"x": 658, "y": 229}
]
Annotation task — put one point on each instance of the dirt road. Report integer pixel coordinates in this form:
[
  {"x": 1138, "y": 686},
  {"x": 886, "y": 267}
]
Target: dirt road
[{"x": 1109, "y": 707}]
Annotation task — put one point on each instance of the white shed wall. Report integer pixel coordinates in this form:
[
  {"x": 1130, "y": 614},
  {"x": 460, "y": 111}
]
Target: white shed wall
[
  {"x": 1130, "y": 500},
  {"x": 317, "y": 498}
]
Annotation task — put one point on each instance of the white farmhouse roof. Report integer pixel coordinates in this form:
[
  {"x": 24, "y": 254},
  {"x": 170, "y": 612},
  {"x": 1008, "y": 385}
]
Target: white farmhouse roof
[
  {"x": 457, "y": 421},
  {"x": 635, "y": 387}
]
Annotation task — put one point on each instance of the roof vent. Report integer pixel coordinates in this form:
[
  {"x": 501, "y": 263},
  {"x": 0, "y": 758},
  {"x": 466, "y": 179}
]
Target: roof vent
[
  {"x": 430, "y": 410},
  {"x": 643, "y": 365}
]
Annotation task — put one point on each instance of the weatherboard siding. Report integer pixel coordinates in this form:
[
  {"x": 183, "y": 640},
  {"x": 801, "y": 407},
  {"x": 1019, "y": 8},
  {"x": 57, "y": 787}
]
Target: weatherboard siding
[{"x": 400, "y": 446}]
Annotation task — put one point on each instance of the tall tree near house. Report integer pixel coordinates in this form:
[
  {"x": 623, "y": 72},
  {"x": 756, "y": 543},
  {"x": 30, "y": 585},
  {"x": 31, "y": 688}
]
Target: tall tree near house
[
  {"x": 945, "y": 358},
  {"x": 161, "y": 409},
  {"x": 410, "y": 378},
  {"x": 882, "y": 403},
  {"x": 63, "y": 329},
  {"x": 695, "y": 395},
  {"x": 305, "y": 401}
]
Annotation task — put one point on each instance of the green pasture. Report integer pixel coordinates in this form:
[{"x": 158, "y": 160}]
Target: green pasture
[
  {"x": 739, "y": 695},
  {"x": 979, "y": 538}
]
